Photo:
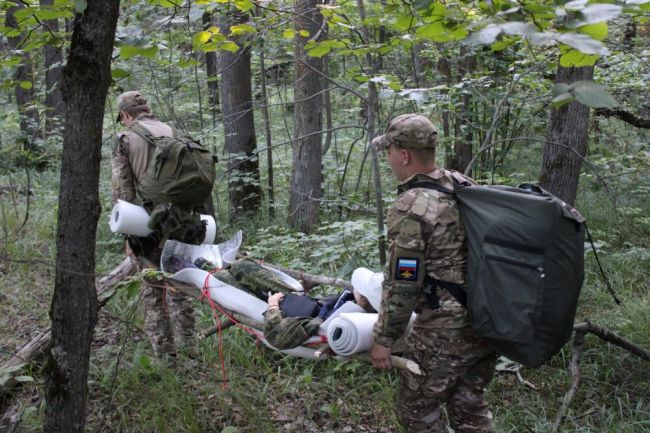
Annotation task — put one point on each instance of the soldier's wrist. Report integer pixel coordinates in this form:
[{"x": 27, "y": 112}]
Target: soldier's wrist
[{"x": 384, "y": 341}]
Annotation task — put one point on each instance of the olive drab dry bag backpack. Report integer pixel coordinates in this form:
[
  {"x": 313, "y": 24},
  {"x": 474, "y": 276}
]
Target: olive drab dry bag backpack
[
  {"x": 524, "y": 268},
  {"x": 181, "y": 171}
]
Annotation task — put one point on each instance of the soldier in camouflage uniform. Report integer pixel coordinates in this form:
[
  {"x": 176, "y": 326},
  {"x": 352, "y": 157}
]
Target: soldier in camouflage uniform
[
  {"x": 131, "y": 157},
  {"x": 426, "y": 241}
]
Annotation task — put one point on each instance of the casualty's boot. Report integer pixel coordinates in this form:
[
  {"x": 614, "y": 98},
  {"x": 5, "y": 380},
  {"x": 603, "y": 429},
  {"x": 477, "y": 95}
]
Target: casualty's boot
[
  {"x": 181, "y": 311},
  {"x": 156, "y": 319}
]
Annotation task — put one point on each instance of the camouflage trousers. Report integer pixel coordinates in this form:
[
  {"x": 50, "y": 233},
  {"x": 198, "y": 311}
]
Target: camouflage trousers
[
  {"x": 169, "y": 319},
  {"x": 457, "y": 366}
]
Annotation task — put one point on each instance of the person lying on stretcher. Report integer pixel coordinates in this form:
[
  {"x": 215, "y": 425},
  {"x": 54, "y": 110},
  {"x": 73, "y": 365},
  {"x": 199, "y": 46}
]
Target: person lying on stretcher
[{"x": 291, "y": 319}]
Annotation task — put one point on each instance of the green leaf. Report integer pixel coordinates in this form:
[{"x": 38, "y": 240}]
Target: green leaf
[
  {"x": 229, "y": 46},
  {"x": 560, "y": 89},
  {"x": 592, "y": 94},
  {"x": 242, "y": 29},
  {"x": 119, "y": 73},
  {"x": 26, "y": 85},
  {"x": 243, "y": 5},
  {"x": 288, "y": 33},
  {"x": 229, "y": 429},
  {"x": 597, "y": 31},
  {"x": 574, "y": 58},
  {"x": 80, "y": 6},
  {"x": 562, "y": 100},
  {"x": 303, "y": 33},
  {"x": 404, "y": 23},
  {"x": 128, "y": 51},
  {"x": 319, "y": 50},
  {"x": 201, "y": 38}
]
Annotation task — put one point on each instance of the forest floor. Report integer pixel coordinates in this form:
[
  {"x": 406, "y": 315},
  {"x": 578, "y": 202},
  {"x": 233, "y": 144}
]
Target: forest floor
[{"x": 130, "y": 391}]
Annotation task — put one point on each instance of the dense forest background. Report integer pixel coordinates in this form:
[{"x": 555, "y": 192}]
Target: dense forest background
[{"x": 289, "y": 95}]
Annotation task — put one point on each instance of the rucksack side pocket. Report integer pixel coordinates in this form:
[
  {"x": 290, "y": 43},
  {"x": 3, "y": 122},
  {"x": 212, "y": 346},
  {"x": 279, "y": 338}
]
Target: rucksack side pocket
[{"x": 508, "y": 306}]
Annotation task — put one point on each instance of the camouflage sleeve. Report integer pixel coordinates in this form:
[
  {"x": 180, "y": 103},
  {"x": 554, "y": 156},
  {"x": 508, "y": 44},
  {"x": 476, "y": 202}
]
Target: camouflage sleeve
[
  {"x": 272, "y": 318},
  {"x": 122, "y": 181},
  {"x": 403, "y": 276}
]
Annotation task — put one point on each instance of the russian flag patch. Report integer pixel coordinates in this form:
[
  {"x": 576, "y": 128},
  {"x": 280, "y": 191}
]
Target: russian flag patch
[{"x": 407, "y": 269}]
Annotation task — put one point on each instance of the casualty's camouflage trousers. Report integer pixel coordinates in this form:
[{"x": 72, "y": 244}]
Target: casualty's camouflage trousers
[{"x": 457, "y": 367}]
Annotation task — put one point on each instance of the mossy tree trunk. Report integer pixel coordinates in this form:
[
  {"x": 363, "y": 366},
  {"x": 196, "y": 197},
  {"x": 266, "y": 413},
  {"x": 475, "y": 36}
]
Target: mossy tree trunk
[{"x": 85, "y": 82}]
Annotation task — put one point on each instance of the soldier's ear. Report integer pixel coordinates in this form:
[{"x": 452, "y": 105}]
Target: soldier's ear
[{"x": 407, "y": 156}]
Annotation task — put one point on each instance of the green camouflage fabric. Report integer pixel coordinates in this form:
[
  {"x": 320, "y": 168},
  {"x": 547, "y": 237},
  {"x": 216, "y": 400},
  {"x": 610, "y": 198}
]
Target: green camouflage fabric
[
  {"x": 255, "y": 279},
  {"x": 288, "y": 332},
  {"x": 424, "y": 226}
]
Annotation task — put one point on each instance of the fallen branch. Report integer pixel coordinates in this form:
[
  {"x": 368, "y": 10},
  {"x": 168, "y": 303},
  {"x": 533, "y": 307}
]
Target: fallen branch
[
  {"x": 581, "y": 329},
  {"x": 311, "y": 279}
]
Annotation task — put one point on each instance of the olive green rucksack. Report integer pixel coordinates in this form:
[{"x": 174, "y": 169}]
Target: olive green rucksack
[
  {"x": 524, "y": 267},
  {"x": 181, "y": 171}
]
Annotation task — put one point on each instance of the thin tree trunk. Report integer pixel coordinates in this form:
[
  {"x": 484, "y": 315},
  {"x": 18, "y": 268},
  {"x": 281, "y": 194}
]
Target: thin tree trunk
[
  {"x": 267, "y": 133},
  {"x": 85, "y": 82},
  {"x": 445, "y": 71},
  {"x": 211, "y": 71},
  {"x": 371, "y": 110},
  {"x": 24, "y": 75},
  {"x": 464, "y": 137},
  {"x": 306, "y": 173},
  {"x": 244, "y": 192},
  {"x": 53, "y": 64},
  {"x": 566, "y": 141}
]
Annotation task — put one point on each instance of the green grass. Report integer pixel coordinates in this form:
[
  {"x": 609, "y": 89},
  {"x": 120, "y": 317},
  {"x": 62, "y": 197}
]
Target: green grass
[{"x": 268, "y": 392}]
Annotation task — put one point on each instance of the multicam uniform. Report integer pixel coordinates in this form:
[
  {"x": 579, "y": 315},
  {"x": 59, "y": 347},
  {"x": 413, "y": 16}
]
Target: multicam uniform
[
  {"x": 131, "y": 156},
  {"x": 426, "y": 238}
]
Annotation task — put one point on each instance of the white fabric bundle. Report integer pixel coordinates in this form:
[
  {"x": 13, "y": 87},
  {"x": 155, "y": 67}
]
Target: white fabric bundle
[{"x": 130, "y": 219}]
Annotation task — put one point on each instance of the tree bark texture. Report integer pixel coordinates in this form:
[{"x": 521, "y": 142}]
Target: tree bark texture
[
  {"x": 85, "y": 82},
  {"x": 566, "y": 141},
  {"x": 24, "y": 73},
  {"x": 53, "y": 64},
  {"x": 306, "y": 173},
  {"x": 244, "y": 192},
  {"x": 211, "y": 70},
  {"x": 463, "y": 147}
]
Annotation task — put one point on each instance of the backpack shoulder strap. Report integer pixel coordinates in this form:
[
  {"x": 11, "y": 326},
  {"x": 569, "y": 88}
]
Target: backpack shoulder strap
[{"x": 142, "y": 132}]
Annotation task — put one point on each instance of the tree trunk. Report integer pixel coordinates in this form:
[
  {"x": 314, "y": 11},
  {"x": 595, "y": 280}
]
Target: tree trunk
[
  {"x": 371, "y": 111},
  {"x": 244, "y": 191},
  {"x": 267, "y": 134},
  {"x": 53, "y": 63},
  {"x": 566, "y": 141},
  {"x": 211, "y": 71},
  {"x": 24, "y": 90},
  {"x": 85, "y": 82},
  {"x": 306, "y": 173},
  {"x": 464, "y": 137}
]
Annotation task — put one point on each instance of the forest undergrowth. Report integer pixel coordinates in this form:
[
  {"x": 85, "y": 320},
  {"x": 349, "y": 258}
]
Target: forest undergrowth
[{"x": 236, "y": 385}]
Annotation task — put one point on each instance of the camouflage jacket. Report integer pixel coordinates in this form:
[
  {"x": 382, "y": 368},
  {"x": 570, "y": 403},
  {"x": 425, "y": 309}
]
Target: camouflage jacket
[
  {"x": 425, "y": 237},
  {"x": 131, "y": 155}
]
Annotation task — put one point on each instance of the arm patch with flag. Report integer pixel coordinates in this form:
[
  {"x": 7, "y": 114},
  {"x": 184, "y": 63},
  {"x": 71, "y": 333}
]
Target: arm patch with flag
[{"x": 407, "y": 268}]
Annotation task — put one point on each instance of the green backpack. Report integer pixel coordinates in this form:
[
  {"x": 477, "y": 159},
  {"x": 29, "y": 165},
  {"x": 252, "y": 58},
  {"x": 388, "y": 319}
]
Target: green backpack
[
  {"x": 524, "y": 267},
  {"x": 181, "y": 171}
]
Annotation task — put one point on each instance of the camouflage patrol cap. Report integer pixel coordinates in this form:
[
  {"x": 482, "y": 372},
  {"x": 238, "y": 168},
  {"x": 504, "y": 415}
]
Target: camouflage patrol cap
[
  {"x": 408, "y": 131},
  {"x": 130, "y": 99}
]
